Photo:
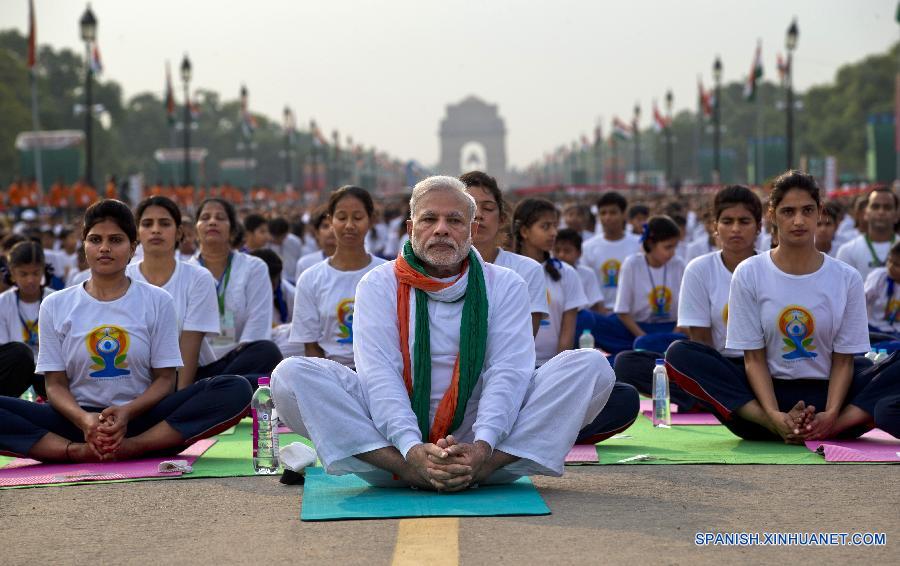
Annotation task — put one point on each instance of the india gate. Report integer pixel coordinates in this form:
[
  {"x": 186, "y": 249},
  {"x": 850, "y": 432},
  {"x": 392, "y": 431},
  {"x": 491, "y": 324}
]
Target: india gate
[{"x": 473, "y": 136}]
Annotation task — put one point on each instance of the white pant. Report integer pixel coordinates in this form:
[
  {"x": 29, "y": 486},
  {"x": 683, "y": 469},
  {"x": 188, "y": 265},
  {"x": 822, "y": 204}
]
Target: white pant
[{"x": 326, "y": 402}]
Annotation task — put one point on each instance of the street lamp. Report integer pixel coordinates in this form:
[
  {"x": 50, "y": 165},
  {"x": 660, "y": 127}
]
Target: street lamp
[
  {"x": 669, "y": 101},
  {"x": 88, "y": 35},
  {"x": 791, "y": 44},
  {"x": 636, "y": 131},
  {"x": 186, "y": 79},
  {"x": 717, "y": 117},
  {"x": 288, "y": 127}
]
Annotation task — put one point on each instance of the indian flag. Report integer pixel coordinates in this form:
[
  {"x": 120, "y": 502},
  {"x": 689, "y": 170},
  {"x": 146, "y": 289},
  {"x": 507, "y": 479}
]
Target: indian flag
[
  {"x": 756, "y": 73},
  {"x": 620, "y": 130}
]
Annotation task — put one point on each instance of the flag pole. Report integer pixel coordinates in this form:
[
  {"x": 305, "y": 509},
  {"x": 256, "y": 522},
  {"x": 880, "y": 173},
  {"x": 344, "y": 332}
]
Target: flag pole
[{"x": 36, "y": 126}]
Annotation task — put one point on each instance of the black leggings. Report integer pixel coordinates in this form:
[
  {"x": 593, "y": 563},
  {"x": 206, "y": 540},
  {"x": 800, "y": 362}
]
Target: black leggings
[
  {"x": 16, "y": 368},
  {"x": 251, "y": 360}
]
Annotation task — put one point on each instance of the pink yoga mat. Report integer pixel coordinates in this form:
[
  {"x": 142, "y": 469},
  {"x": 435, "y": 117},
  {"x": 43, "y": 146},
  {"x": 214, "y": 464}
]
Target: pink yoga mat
[
  {"x": 874, "y": 446},
  {"x": 582, "y": 453},
  {"x": 679, "y": 419},
  {"x": 23, "y": 471}
]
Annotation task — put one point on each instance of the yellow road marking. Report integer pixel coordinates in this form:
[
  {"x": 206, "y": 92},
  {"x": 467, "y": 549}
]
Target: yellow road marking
[{"x": 432, "y": 541}]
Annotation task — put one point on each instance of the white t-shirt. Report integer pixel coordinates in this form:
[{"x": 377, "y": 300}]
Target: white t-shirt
[
  {"x": 799, "y": 319},
  {"x": 196, "y": 308},
  {"x": 703, "y": 301},
  {"x": 590, "y": 285},
  {"x": 533, "y": 274},
  {"x": 856, "y": 253},
  {"x": 14, "y": 312},
  {"x": 698, "y": 248},
  {"x": 649, "y": 294},
  {"x": 289, "y": 250},
  {"x": 248, "y": 306},
  {"x": 508, "y": 361},
  {"x": 562, "y": 295},
  {"x": 307, "y": 261},
  {"x": 323, "y": 309},
  {"x": 605, "y": 258},
  {"x": 78, "y": 277},
  {"x": 107, "y": 348},
  {"x": 882, "y": 301}
]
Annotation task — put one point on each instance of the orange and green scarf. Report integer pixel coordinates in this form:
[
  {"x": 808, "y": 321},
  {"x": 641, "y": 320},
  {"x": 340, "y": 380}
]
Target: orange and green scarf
[{"x": 472, "y": 342}]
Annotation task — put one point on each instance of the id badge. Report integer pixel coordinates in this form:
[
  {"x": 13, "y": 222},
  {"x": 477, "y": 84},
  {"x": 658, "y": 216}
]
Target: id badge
[{"x": 227, "y": 335}]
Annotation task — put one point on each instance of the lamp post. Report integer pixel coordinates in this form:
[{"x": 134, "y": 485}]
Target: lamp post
[
  {"x": 791, "y": 44},
  {"x": 88, "y": 35},
  {"x": 717, "y": 118},
  {"x": 288, "y": 130},
  {"x": 636, "y": 131},
  {"x": 186, "y": 79},
  {"x": 669, "y": 101}
]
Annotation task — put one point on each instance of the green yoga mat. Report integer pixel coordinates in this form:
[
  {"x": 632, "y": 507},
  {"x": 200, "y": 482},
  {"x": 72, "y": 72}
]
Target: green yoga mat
[
  {"x": 229, "y": 457},
  {"x": 643, "y": 444},
  {"x": 330, "y": 498}
]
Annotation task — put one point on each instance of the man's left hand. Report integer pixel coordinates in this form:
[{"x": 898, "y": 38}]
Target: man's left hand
[{"x": 462, "y": 464}]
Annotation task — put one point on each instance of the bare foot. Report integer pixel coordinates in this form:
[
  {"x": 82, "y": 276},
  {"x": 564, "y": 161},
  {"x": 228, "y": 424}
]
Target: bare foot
[{"x": 81, "y": 452}]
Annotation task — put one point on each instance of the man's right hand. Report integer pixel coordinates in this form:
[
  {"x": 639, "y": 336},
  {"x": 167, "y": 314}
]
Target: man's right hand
[
  {"x": 428, "y": 464},
  {"x": 90, "y": 425}
]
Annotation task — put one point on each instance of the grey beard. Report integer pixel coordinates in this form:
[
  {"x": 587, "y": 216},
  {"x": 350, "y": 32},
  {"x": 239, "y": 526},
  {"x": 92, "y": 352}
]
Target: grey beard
[{"x": 441, "y": 259}]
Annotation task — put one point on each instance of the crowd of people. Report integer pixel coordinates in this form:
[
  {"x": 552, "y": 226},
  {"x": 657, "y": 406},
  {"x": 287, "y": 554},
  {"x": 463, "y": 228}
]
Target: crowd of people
[{"x": 434, "y": 341}]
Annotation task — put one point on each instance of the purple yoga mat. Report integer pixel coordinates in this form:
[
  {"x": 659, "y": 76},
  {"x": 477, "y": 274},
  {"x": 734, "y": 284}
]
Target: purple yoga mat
[
  {"x": 874, "y": 446},
  {"x": 582, "y": 453},
  {"x": 23, "y": 471}
]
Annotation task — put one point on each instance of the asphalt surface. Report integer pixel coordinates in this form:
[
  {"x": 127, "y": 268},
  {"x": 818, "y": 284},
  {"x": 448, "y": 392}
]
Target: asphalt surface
[{"x": 601, "y": 514}]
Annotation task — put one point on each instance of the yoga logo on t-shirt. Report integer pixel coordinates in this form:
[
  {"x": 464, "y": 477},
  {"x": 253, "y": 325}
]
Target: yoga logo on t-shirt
[
  {"x": 609, "y": 272},
  {"x": 546, "y": 321},
  {"x": 660, "y": 298},
  {"x": 108, "y": 348},
  {"x": 797, "y": 326},
  {"x": 891, "y": 310},
  {"x": 725, "y": 315},
  {"x": 345, "y": 321}
]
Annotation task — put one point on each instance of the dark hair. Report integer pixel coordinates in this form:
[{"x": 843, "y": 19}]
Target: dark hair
[
  {"x": 832, "y": 209},
  {"x": 162, "y": 202},
  {"x": 612, "y": 198},
  {"x": 229, "y": 211},
  {"x": 659, "y": 229},
  {"x": 527, "y": 213},
  {"x": 351, "y": 191},
  {"x": 883, "y": 189},
  {"x": 488, "y": 183},
  {"x": 793, "y": 179},
  {"x": 278, "y": 226},
  {"x": 110, "y": 209},
  {"x": 680, "y": 220},
  {"x": 273, "y": 262},
  {"x": 571, "y": 236},
  {"x": 25, "y": 253},
  {"x": 638, "y": 210},
  {"x": 895, "y": 250},
  {"x": 733, "y": 195},
  {"x": 318, "y": 216},
  {"x": 254, "y": 221}
]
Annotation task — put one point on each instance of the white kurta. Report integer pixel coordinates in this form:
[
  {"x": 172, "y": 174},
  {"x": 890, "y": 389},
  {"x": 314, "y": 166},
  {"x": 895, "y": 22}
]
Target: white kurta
[{"x": 535, "y": 415}]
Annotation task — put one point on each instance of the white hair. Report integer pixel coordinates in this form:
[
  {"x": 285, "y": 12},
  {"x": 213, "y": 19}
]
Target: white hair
[{"x": 441, "y": 183}]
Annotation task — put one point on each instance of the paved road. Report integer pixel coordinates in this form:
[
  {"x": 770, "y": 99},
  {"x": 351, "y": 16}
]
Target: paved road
[{"x": 610, "y": 514}]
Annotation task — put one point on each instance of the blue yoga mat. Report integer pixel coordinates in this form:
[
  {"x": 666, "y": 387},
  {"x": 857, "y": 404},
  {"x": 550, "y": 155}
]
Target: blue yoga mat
[{"x": 330, "y": 498}]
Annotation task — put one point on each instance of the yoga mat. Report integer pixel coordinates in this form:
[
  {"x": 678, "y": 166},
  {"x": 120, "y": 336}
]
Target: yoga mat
[
  {"x": 582, "y": 454},
  {"x": 682, "y": 419},
  {"x": 329, "y": 498},
  {"x": 874, "y": 446},
  {"x": 25, "y": 472}
]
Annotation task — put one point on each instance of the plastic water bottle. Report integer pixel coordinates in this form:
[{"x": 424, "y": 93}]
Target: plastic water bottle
[
  {"x": 873, "y": 353},
  {"x": 265, "y": 430},
  {"x": 662, "y": 416},
  {"x": 882, "y": 354},
  {"x": 586, "y": 340}
]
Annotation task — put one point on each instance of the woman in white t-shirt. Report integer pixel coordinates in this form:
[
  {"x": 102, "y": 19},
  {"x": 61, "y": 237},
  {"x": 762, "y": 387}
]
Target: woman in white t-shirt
[
  {"x": 325, "y": 294},
  {"x": 19, "y": 309},
  {"x": 324, "y": 237},
  {"x": 244, "y": 296},
  {"x": 191, "y": 287},
  {"x": 534, "y": 231},
  {"x": 799, "y": 316},
  {"x": 109, "y": 351},
  {"x": 490, "y": 216}
]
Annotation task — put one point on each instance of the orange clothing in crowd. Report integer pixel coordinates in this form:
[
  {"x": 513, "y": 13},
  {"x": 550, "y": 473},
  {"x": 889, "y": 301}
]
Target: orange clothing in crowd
[
  {"x": 83, "y": 195},
  {"x": 111, "y": 190},
  {"x": 23, "y": 194},
  {"x": 58, "y": 196}
]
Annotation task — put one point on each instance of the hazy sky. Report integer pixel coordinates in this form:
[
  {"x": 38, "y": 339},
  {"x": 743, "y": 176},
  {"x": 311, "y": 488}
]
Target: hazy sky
[{"x": 383, "y": 71}]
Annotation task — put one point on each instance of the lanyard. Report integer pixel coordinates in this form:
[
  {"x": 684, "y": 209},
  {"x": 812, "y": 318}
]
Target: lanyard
[
  {"x": 650, "y": 274},
  {"x": 876, "y": 262},
  {"x": 889, "y": 313},
  {"x": 222, "y": 283},
  {"x": 31, "y": 329}
]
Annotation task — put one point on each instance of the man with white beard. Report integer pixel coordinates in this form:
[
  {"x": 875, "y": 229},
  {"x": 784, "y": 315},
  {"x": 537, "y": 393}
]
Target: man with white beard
[{"x": 445, "y": 395}]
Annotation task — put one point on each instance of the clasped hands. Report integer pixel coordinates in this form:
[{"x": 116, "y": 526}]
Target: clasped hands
[
  {"x": 448, "y": 465},
  {"x": 803, "y": 423},
  {"x": 104, "y": 431}
]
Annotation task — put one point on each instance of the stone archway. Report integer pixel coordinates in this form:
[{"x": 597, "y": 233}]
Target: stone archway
[{"x": 473, "y": 136}]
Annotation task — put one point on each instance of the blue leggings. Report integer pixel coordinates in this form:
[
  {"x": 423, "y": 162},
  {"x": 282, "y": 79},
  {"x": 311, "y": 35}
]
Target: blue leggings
[
  {"x": 609, "y": 332},
  {"x": 251, "y": 360},
  {"x": 619, "y": 413},
  {"x": 721, "y": 385},
  {"x": 203, "y": 409}
]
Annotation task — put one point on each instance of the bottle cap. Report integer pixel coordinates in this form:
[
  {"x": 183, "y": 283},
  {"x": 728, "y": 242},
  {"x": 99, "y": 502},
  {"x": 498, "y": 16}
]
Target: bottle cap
[
  {"x": 585, "y": 331},
  {"x": 660, "y": 362},
  {"x": 264, "y": 380},
  {"x": 882, "y": 351}
]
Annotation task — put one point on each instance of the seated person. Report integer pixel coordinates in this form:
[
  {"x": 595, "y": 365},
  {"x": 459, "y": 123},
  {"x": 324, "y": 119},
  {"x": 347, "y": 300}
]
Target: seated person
[
  {"x": 109, "y": 355},
  {"x": 883, "y": 302},
  {"x": 282, "y": 300},
  {"x": 324, "y": 238},
  {"x": 446, "y": 395},
  {"x": 799, "y": 316},
  {"x": 567, "y": 248}
]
